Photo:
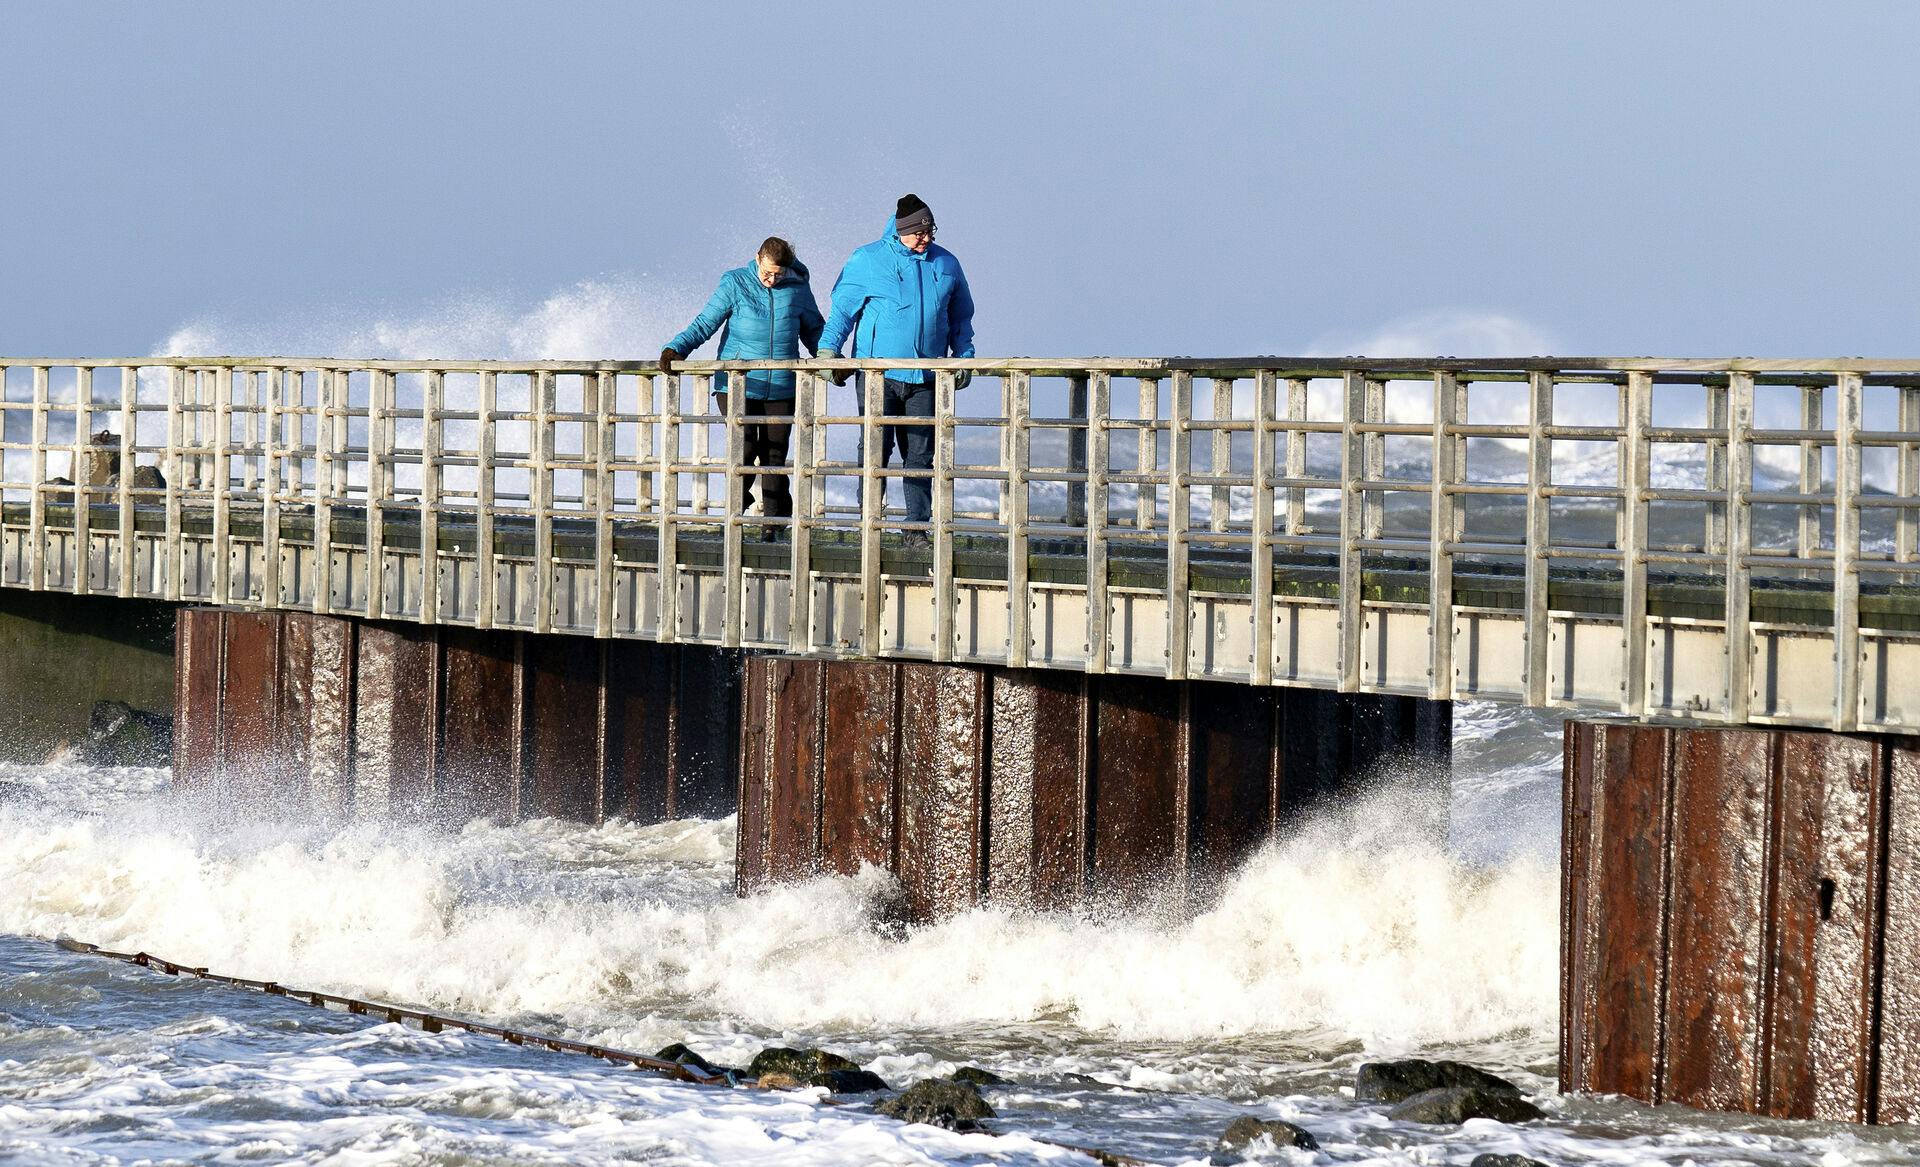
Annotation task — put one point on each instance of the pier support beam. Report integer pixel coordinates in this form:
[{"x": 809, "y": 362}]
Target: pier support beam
[
  {"x": 1039, "y": 789},
  {"x": 344, "y": 716},
  {"x": 1741, "y": 920}
]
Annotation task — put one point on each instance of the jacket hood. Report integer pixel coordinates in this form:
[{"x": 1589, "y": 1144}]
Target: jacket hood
[{"x": 892, "y": 239}]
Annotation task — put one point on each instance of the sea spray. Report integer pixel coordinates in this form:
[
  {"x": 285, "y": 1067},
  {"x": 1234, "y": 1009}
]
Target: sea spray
[{"x": 1358, "y": 924}]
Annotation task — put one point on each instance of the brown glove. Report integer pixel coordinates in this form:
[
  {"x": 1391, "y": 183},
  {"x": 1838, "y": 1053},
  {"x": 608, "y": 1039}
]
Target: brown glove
[{"x": 667, "y": 358}]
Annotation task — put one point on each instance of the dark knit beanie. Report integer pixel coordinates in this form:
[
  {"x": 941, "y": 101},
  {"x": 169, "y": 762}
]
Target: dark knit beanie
[{"x": 911, "y": 215}]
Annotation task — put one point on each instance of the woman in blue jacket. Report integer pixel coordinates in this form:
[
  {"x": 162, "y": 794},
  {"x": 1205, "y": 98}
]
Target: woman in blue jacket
[{"x": 764, "y": 311}]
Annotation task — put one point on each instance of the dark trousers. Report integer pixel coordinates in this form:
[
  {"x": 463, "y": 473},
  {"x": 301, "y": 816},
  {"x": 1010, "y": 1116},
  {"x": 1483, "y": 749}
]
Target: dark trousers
[
  {"x": 765, "y": 446},
  {"x": 905, "y": 399}
]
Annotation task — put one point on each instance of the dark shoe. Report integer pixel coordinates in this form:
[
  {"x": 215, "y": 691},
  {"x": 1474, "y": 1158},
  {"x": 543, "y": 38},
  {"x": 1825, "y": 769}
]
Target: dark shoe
[
  {"x": 915, "y": 539},
  {"x": 773, "y": 534}
]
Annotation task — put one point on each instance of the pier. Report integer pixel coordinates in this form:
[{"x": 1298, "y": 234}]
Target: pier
[{"x": 1161, "y": 608}]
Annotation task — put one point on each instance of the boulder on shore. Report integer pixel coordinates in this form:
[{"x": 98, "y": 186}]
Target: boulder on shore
[
  {"x": 681, "y": 1054},
  {"x": 848, "y": 1081},
  {"x": 801, "y": 1063},
  {"x": 120, "y": 735},
  {"x": 1398, "y": 1081},
  {"x": 1452, "y": 1105},
  {"x": 1247, "y": 1128},
  {"x": 954, "y": 1105}
]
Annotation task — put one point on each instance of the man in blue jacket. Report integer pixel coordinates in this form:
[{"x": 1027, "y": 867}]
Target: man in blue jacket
[
  {"x": 765, "y": 312},
  {"x": 902, "y": 296}
]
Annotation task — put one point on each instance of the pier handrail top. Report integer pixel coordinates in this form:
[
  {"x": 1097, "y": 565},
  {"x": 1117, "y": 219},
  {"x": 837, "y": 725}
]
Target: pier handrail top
[{"x": 1043, "y": 365}]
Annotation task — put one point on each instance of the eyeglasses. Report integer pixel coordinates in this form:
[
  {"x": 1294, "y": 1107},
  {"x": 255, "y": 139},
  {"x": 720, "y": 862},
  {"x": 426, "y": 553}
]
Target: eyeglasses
[{"x": 928, "y": 232}]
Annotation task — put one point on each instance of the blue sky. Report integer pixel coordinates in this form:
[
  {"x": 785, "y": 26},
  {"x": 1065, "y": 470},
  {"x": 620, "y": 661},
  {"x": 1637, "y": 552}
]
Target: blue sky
[{"x": 568, "y": 179}]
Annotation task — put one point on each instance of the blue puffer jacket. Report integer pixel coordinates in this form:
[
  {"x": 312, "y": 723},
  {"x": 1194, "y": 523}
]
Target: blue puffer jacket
[
  {"x": 898, "y": 304},
  {"x": 757, "y": 323}
]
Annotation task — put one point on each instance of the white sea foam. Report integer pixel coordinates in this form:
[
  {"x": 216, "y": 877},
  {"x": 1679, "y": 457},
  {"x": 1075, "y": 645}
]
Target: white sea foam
[{"x": 1353, "y": 926}]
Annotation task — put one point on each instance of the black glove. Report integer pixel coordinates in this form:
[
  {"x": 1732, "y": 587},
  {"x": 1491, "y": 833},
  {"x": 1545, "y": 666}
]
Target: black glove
[
  {"x": 838, "y": 376},
  {"x": 963, "y": 378},
  {"x": 667, "y": 358}
]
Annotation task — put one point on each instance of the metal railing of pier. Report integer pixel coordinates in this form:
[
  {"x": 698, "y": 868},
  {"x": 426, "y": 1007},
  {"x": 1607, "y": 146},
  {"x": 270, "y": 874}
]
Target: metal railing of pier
[{"x": 1700, "y": 540}]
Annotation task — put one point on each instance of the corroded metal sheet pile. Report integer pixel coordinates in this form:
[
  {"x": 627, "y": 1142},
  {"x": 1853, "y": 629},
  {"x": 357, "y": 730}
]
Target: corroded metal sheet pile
[
  {"x": 351, "y": 716},
  {"x": 1741, "y": 920},
  {"x": 1043, "y": 789}
]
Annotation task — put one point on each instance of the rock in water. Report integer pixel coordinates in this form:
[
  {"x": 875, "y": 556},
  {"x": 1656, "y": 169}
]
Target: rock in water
[
  {"x": 954, "y": 1105},
  {"x": 1284, "y": 1134},
  {"x": 775, "y": 1080},
  {"x": 975, "y": 1076},
  {"x": 680, "y": 1054},
  {"x": 1505, "y": 1161},
  {"x": 120, "y": 735},
  {"x": 848, "y": 1081},
  {"x": 801, "y": 1063},
  {"x": 1451, "y": 1105},
  {"x": 1397, "y": 1081}
]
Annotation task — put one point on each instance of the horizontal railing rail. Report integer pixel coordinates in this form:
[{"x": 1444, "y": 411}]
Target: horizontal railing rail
[{"x": 1707, "y": 540}]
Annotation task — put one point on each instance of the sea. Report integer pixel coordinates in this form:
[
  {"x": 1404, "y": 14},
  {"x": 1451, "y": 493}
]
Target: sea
[{"x": 1363, "y": 934}]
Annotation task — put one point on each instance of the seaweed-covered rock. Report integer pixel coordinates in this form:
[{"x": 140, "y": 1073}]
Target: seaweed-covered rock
[
  {"x": 1245, "y": 1129},
  {"x": 1451, "y": 1105},
  {"x": 1398, "y": 1081},
  {"x": 1491, "y": 1160},
  {"x": 975, "y": 1076},
  {"x": 801, "y": 1063},
  {"x": 775, "y": 1080},
  {"x": 954, "y": 1105},
  {"x": 848, "y": 1081}
]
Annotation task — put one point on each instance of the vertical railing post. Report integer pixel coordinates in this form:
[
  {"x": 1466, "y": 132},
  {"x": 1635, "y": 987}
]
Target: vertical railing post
[
  {"x": 1739, "y": 472},
  {"x": 1636, "y": 418},
  {"x": 80, "y": 469},
  {"x": 733, "y": 580},
  {"x": 806, "y": 391},
  {"x": 1296, "y": 467},
  {"x": 1101, "y": 440},
  {"x": 432, "y": 484},
  {"x": 1179, "y": 518},
  {"x": 1352, "y": 506},
  {"x": 1077, "y": 449},
  {"x": 1846, "y": 553},
  {"x": 1019, "y": 592},
  {"x": 37, "y": 500},
  {"x": 484, "y": 583},
  {"x": 605, "y": 395},
  {"x": 129, "y": 444},
  {"x": 873, "y": 508},
  {"x": 1807, "y": 541},
  {"x": 176, "y": 394},
  {"x": 379, "y": 477},
  {"x": 1220, "y": 457},
  {"x": 1261, "y": 591},
  {"x": 1715, "y": 534},
  {"x": 667, "y": 554},
  {"x": 1538, "y": 566},
  {"x": 222, "y": 485},
  {"x": 271, "y": 455},
  {"x": 943, "y": 439},
  {"x": 541, "y": 501},
  {"x": 1374, "y": 462},
  {"x": 1442, "y": 526},
  {"x": 1906, "y": 538},
  {"x": 1147, "y": 455}
]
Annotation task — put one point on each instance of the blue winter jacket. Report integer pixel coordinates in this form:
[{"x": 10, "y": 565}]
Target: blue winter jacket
[
  {"x": 757, "y": 323},
  {"x": 898, "y": 304}
]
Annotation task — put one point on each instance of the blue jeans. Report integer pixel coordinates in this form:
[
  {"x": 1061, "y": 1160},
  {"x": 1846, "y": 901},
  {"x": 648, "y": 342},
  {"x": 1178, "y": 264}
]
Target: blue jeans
[{"x": 905, "y": 399}]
